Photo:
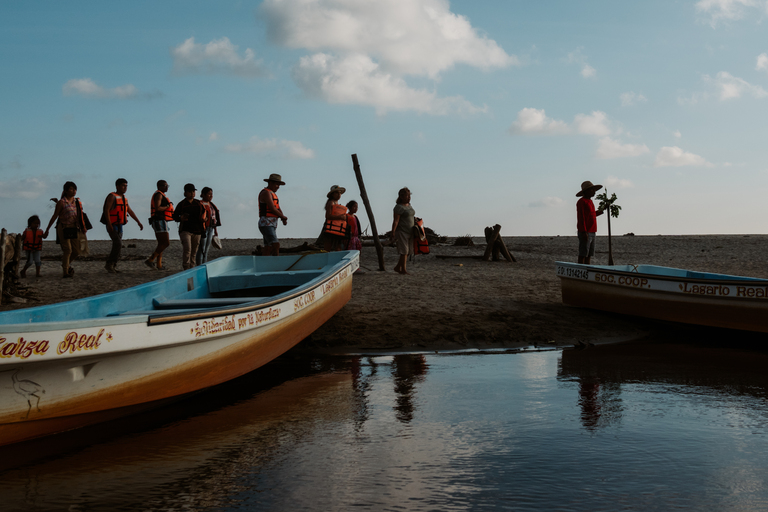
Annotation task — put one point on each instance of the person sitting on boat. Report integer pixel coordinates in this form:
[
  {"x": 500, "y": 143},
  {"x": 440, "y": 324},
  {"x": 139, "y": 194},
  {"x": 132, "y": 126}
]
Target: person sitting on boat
[
  {"x": 115, "y": 216},
  {"x": 586, "y": 221},
  {"x": 191, "y": 216},
  {"x": 335, "y": 227},
  {"x": 269, "y": 213},
  {"x": 161, "y": 209}
]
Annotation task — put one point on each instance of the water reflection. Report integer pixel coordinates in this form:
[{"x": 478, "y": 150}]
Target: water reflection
[{"x": 667, "y": 426}]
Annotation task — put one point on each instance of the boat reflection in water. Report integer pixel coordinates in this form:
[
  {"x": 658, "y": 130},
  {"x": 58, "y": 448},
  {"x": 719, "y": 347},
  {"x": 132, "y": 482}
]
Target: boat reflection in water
[{"x": 624, "y": 427}]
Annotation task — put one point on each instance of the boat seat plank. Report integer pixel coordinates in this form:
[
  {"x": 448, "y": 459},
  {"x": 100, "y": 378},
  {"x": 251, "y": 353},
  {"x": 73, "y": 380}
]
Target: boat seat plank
[
  {"x": 201, "y": 303},
  {"x": 236, "y": 280}
]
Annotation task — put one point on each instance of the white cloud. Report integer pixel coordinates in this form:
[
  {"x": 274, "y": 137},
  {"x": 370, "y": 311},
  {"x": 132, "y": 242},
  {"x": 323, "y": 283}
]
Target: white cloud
[
  {"x": 676, "y": 157},
  {"x": 213, "y": 136},
  {"x": 617, "y": 183},
  {"x": 28, "y": 188},
  {"x": 725, "y": 10},
  {"x": 577, "y": 57},
  {"x": 407, "y": 37},
  {"x": 218, "y": 56},
  {"x": 547, "y": 202},
  {"x": 608, "y": 148},
  {"x": 289, "y": 149},
  {"x": 677, "y": 134},
  {"x": 729, "y": 86},
  {"x": 595, "y": 123},
  {"x": 90, "y": 89},
  {"x": 587, "y": 71},
  {"x": 362, "y": 51},
  {"x": 535, "y": 121},
  {"x": 762, "y": 62},
  {"x": 358, "y": 80},
  {"x": 631, "y": 98}
]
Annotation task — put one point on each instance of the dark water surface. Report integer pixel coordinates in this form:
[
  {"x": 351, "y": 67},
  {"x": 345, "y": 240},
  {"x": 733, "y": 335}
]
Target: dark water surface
[{"x": 623, "y": 427}]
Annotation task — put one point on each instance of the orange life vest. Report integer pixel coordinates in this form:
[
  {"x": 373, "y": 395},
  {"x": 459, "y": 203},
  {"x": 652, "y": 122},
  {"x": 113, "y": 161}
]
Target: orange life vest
[
  {"x": 117, "y": 215},
  {"x": 420, "y": 243},
  {"x": 336, "y": 227},
  {"x": 33, "y": 240},
  {"x": 167, "y": 213},
  {"x": 263, "y": 211}
]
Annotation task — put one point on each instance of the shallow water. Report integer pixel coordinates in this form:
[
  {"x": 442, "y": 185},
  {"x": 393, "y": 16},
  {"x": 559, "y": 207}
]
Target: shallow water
[{"x": 622, "y": 427}]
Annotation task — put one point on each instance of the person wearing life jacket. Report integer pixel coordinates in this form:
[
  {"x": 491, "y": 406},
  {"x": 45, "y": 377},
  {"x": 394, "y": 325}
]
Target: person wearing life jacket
[
  {"x": 211, "y": 226},
  {"x": 32, "y": 243},
  {"x": 269, "y": 213},
  {"x": 161, "y": 209},
  {"x": 115, "y": 216},
  {"x": 335, "y": 227},
  {"x": 402, "y": 227}
]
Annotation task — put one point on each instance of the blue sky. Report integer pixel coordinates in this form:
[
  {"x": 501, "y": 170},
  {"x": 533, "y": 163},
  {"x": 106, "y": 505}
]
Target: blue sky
[{"x": 490, "y": 111}]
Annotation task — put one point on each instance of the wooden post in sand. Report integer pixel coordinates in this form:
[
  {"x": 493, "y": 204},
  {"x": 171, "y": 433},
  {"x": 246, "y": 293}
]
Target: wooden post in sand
[
  {"x": 369, "y": 211},
  {"x": 495, "y": 244},
  {"x": 3, "y": 234}
]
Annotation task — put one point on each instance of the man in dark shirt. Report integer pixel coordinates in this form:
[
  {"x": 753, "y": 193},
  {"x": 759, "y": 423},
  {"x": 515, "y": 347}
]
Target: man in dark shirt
[{"x": 190, "y": 215}]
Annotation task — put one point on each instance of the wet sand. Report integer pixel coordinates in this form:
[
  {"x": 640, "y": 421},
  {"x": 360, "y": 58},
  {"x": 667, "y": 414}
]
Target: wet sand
[{"x": 454, "y": 303}]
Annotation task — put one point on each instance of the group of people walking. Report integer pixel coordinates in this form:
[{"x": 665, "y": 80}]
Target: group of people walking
[
  {"x": 198, "y": 223},
  {"x": 198, "y": 220}
]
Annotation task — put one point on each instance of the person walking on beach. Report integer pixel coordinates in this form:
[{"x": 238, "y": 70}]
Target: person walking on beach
[
  {"x": 69, "y": 212},
  {"x": 586, "y": 221},
  {"x": 335, "y": 227},
  {"x": 115, "y": 216},
  {"x": 190, "y": 215},
  {"x": 32, "y": 243},
  {"x": 402, "y": 227},
  {"x": 354, "y": 243},
  {"x": 269, "y": 213},
  {"x": 212, "y": 224},
  {"x": 161, "y": 213}
]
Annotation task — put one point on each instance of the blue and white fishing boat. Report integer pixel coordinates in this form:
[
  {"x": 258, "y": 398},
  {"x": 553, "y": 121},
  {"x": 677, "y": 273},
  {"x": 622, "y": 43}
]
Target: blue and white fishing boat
[
  {"x": 663, "y": 293},
  {"x": 76, "y": 363}
]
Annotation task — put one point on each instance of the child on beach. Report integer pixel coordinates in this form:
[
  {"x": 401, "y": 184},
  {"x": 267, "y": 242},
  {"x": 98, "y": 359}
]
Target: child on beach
[
  {"x": 354, "y": 243},
  {"x": 586, "y": 221},
  {"x": 32, "y": 243}
]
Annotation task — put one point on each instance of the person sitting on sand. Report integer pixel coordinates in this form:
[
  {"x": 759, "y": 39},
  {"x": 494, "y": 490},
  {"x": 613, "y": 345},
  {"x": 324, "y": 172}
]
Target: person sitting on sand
[
  {"x": 269, "y": 212},
  {"x": 190, "y": 215},
  {"x": 402, "y": 227},
  {"x": 161, "y": 209},
  {"x": 586, "y": 221},
  {"x": 69, "y": 212},
  {"x": 354, "y": 243},
  {"x": 335, "y": 227},
  {"x": 212, "y": 225},
  {"x": 115, "y": 216},
  {"x": 32, "y": 243}
]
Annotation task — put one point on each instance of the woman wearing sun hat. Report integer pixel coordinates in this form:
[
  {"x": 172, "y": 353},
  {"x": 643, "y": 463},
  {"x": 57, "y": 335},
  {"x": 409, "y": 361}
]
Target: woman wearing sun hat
[
  {"x": 586, "y": 221},
  {"x": 335, "y": 227}
]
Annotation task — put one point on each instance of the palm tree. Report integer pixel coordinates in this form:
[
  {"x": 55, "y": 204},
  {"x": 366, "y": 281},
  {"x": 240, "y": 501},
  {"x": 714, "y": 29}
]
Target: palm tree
[{"x": 613, "y": 211}]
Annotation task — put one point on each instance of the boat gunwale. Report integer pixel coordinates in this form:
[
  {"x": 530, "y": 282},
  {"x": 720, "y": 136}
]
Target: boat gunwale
[
  {"x": 196, "y": 313},
  {"x": 736, "y": 279}
]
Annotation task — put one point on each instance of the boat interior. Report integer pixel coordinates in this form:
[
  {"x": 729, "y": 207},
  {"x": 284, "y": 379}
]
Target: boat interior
[{"x": 219, "y": 284}]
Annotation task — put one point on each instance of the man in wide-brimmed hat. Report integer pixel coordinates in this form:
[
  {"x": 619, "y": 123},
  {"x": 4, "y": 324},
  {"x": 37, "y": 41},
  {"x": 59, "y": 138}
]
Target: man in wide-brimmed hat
[
  {"x": 269, "y": 213},
  {"x": 586, "y": 221}
]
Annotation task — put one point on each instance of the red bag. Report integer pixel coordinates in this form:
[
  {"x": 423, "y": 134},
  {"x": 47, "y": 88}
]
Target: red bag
[{"x": 420, "y": 243}]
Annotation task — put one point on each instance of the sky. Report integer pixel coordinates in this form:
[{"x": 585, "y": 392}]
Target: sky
[{"x": 490, "y": 112}]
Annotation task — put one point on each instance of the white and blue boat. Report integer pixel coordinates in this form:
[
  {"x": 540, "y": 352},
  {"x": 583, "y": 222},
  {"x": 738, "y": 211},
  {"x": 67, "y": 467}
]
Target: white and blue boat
[
  {"x": 77, "y": 363},
  {"x": 672, "y": 294}
]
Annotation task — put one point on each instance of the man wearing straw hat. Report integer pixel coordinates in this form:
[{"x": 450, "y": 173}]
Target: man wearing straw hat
[
  {"x": 269, "y": 212},
  {"x": 586, "y": 221}
]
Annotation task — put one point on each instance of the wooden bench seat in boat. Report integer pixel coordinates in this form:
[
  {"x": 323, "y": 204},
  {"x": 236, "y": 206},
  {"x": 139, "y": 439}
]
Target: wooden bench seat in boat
[{"x": 247, "y": 279}]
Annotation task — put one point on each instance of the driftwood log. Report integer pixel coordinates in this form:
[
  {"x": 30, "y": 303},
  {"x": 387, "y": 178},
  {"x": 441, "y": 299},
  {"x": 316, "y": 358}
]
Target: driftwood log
[{"x": 496, "y": 245}]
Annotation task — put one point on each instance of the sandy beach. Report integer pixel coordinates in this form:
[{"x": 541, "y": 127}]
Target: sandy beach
[{"x": 452, "y": 303}]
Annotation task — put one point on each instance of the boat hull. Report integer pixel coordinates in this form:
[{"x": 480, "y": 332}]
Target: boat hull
[
  {"x": 51, "y": 395},
  {"x": 738, "y": 303}
]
